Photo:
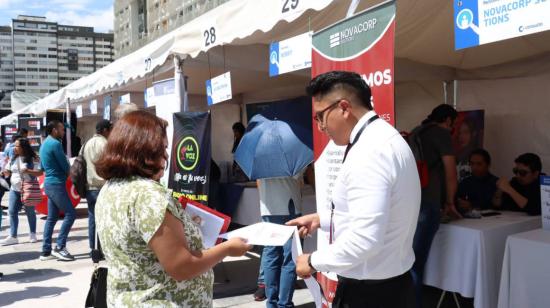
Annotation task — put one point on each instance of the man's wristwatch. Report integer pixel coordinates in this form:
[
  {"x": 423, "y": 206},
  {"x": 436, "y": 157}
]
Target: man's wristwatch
[{"x": 309, "y": 263}]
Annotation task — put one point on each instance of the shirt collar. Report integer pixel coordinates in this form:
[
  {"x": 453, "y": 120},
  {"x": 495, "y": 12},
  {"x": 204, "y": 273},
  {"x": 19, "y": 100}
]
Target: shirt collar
[{"x": 360, "y": 124}]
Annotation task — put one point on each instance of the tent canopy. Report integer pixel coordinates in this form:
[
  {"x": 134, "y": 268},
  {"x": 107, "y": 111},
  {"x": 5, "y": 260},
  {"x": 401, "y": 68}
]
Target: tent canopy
[{"x": 243, "y": 30}]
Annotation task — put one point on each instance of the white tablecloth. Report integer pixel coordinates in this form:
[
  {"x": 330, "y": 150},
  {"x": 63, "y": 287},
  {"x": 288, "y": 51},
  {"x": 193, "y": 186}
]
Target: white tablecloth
[
  {"x": 526, "y": 271},
  {"x": 248, "y": 211},
  {"x": 466, "y": 255}
]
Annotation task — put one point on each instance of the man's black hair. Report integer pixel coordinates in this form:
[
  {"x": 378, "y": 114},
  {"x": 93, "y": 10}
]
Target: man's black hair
[
  {"x": 15, "y": 137},
  {"x": 238, "y": 126},
  {"x": 51, "y": 125},
  {"x": 483, "y": 153},
  {"x": 102, "y": 126},
  {"x": 441, "y": 113},
  {"x": 327, "y": 82},
  {"x": 531, "y": 160}
]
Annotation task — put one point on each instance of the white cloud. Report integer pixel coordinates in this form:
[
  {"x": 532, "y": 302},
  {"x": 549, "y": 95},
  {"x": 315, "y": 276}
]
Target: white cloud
[
  {"x": 4, "y": 4},
  {"x": 71, "y": 4},
  {"x": 101, "y": 20}
]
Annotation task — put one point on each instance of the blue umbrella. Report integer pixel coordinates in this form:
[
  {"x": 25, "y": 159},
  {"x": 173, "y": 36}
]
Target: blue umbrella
[{"x": 271, "y": 149}]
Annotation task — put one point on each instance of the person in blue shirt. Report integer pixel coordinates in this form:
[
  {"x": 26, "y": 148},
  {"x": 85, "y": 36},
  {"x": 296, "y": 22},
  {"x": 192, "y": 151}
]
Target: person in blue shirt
[
  {"x": 56, "y": 168},
  {"x": 478, "y": 190}
]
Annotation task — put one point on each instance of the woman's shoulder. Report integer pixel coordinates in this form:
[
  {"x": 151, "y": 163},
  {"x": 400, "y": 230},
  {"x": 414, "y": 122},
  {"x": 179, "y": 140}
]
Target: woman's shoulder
[{"x": 137, "y": 187}]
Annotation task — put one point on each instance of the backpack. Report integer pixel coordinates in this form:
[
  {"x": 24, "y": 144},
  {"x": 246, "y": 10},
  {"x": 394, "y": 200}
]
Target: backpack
[
  {"x": 415, "y": 143},
  {"x": 78, "y": 173}
]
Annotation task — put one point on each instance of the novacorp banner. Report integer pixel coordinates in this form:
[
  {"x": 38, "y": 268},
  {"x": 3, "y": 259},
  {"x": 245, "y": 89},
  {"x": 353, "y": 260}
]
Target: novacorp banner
[
  {"x": 479, "y": 22},
  {"x": 363, "y": 43}
]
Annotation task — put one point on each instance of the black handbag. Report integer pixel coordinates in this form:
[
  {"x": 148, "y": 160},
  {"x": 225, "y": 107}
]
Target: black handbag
[{"x": 97, "y": 295}]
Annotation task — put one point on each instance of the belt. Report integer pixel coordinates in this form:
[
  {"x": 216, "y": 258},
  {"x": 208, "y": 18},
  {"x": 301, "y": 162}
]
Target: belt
[{"x": 351, "y": 281}]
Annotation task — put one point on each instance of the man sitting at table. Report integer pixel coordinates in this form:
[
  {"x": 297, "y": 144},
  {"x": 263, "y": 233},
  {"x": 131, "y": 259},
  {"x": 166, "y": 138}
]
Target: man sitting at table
[
  {"x": 477, "y": 190},
  {"x": 522, "y": 193}
]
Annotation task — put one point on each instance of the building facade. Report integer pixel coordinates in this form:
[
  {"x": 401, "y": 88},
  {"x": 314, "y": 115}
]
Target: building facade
[
  {"x": 81, "y": 51},
  {"x": 6, "y": 67},
  {"x": 47, "y": 56},
  {"x": 138, "y": 22},
  {"x": 35, "y": 55}
]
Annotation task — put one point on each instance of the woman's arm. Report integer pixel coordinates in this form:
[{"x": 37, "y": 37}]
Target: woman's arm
[
  {"x": 30, "y": 171},
  {"x": 170, "y": 246},
  {"x": 33, "y": 172}
]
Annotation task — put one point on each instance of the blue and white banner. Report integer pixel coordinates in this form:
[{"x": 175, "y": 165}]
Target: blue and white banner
[
  {"x": 163, "y": 96},
  {"x": 159, "y": 92},
  {"x": 479, "y": 22},
  {"x": 107, "y": 107},
  {"x": 290, "y": 55},
  {"x": 79, "y": 111},
  {"x": 124, "y": 99},
  {"x": 218, "y": 89},
  {"x": 93, "y": 106},
  {"x": 545, "y": 201}
]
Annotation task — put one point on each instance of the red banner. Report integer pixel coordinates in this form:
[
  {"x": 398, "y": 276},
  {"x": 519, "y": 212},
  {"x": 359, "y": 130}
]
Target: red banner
[
  {"x": 42, "y": 207},
  {"x": 363, "y": 44}
]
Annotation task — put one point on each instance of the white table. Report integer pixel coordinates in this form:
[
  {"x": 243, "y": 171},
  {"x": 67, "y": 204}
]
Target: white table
[
  {"x": 466, "y": 255},
  {"x": 526, "y": 271},
  {"x": 248, "y": 211}
]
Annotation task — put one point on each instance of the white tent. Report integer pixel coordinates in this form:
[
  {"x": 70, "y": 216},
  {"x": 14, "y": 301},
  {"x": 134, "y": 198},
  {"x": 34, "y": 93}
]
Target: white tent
[{"x": 425, "y": 57}]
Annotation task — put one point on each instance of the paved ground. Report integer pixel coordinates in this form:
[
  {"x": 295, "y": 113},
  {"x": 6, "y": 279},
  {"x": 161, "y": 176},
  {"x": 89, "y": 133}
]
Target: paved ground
[{"x": 29, "y": 282}]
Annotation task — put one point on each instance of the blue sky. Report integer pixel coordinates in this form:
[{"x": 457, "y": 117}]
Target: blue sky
[{"x": 91, "y": 13}]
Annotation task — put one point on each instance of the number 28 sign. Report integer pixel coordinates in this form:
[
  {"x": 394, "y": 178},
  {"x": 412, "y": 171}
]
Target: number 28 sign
[{"x": 210, "y": 36}]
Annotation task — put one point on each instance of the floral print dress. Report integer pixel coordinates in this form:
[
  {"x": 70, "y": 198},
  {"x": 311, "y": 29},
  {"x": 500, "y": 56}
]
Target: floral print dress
[{"x": 128, "y": 213}]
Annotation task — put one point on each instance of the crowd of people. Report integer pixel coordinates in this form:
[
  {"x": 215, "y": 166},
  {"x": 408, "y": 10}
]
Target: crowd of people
[{"x": 382, "y": 221}]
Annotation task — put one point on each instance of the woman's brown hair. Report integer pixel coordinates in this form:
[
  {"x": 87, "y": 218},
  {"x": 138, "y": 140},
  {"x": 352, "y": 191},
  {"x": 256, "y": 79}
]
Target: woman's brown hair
[{"x": 135, "y": 147}]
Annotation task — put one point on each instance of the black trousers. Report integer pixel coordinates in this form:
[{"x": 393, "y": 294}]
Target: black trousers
[{"x": 396, "y": 292}]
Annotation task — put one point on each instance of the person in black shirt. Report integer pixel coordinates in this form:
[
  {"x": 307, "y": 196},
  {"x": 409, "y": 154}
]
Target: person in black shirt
[
  {"x": 438, "y": 197},
  {"x": 522, "y": 193},
  {"x": 477, "y": 190}
]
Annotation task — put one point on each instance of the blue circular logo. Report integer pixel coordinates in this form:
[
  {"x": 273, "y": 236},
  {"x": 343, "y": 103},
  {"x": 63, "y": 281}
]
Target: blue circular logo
[{"x": 464, "y": 19}]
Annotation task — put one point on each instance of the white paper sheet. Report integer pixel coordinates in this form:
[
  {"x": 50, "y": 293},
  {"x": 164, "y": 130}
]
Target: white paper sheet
[
  {"x": 269, "y": 234},
  {"x": 311, "y": 283},
  {"x": 263, "y": 234}
]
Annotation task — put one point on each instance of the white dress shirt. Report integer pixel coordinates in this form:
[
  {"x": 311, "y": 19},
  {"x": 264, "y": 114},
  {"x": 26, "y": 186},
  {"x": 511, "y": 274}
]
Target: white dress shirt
[{"x": 377, "y": 201}]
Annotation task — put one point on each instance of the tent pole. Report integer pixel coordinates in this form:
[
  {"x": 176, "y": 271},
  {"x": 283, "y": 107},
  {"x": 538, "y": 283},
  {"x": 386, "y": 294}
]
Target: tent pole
[
  {"x": 445, "y": 100},
  {"x": 68, "y": 134},
  {"x": 180, "y": 83},
  {"x": 352, "y": 7},
  {"x": 455, "y": 96}
]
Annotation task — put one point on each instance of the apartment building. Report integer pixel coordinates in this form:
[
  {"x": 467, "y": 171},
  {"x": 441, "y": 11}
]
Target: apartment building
[{"x": 138, "y": 22}]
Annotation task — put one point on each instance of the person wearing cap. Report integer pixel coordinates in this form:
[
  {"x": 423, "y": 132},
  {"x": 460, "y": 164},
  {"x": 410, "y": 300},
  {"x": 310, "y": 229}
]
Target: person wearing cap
[{"x": 92, "y": 151}]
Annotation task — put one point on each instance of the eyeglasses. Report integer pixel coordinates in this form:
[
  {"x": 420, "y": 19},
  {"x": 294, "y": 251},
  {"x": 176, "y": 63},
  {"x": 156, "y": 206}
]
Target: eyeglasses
[
  {"x": 520, "y": 172},
  {"x": 319, "y": 116}
]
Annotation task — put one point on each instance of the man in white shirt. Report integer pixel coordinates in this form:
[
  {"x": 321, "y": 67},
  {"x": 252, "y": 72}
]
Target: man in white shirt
[
  {"x": 92, "y": 151},
  {"x": 376, "y": 200}
]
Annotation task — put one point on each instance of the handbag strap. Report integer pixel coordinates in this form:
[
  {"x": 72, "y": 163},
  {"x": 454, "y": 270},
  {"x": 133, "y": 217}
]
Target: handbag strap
[
  {"x": 96, "y": 253},
  {"x": 81, "y": 152}
]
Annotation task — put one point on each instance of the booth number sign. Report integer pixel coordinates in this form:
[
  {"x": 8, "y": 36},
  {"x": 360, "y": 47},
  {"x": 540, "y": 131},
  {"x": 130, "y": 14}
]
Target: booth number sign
[
  {"x": 210, "y": 35},
  {"x": 289, "y": 5}
]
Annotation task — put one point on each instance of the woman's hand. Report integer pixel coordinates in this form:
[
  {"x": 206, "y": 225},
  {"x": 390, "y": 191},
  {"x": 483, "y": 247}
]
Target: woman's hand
[{"x": 237, "y": 247}]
